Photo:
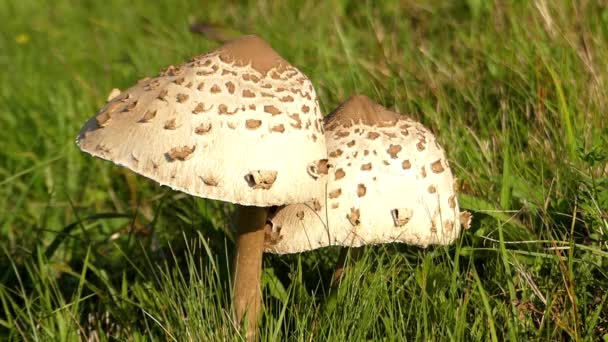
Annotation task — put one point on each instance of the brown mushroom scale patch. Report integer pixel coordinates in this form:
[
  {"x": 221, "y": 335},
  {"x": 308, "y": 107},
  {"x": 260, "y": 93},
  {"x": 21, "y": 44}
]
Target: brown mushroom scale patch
[
  {"x": 354, "y": 216},
  {"x": 420, "y": 146},
  {"x": 300, "y": 215},
  {"x": 316, "y": 206},
  {"x": 335, "y": 193},
  {"x": 361, "y": 190},
  {"x": 181, "y": 153},
  {"x": 342, "y": 134},
  {"x": 231, "y": 87},
  {"x": 209, "y": 180},
  {"x": 350, "y": 143},
  {"x": 248, "y": 93},
  {"x": 253, "y": 124},
  {"x": 373, "y": 135},
  {"x": 406, "y": 164},
  {"x": 448, "y": 225},
  {"x": 452, "y": 201},
  {"x": 278, "y": 128},
  {"x": 432, "y": 189},
  {"x": 215, "y": 89},
  {"x": 181, "y": 98},
  {"x": 437, "y": 167},
  {"x": 261, "y": 179},
  {"x": 339, "y": 174},
  {"x": 393, "y": 150},
  {"x": 272, "y": 110},
  {"x": 305, "y": 109},
  {"x": 366, "y": 167},
  {"x": 322, "y": 166},
  {"x": 423, "y": 172},
  {"x": 298, "y": 121},
  {"x": 203, "y": 128},
  {"x": 102, "y": 119},
  {"x": 401, "y": 216},
  {"x": 170, "y": 124},
  {"x": 148, "y": 115},
  {"x": 200, "y": 108},
  {"x": 335, "y": 153}
]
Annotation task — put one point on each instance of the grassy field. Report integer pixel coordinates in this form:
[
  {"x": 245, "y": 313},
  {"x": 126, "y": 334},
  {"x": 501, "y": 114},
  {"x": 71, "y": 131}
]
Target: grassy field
[{"x": 516, "y": 91}]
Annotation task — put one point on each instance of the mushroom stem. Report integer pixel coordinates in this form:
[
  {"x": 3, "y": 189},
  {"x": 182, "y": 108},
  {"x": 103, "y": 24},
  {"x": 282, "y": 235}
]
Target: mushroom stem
[
  {"x": 250, "y": 222},
  {"x": 346, "y": 253}
]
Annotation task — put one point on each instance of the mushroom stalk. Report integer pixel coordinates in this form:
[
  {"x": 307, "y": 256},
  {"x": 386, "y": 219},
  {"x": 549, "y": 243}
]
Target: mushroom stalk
[
  {"x": 346, "y": 253},
  {"x": 250, "y": 222}
]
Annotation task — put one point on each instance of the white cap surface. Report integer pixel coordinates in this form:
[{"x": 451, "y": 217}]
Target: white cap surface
[
  {"x": 238, "y": 124},
  {"x": 389, "y": 181}
]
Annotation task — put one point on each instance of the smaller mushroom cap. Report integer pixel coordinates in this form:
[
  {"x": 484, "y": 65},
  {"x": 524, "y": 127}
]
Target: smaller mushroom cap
[
  {"x": 238, "y": 124},
  {"x": 389, "y": 181}
]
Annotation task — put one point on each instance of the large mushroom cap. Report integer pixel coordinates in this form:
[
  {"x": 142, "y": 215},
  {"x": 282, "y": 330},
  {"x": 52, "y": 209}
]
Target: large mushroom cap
[
  {"x": 389, "y": 181},
  {"x": 238, "y": 124}
]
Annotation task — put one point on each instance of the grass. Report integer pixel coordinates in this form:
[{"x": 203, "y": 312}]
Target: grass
[{"x": 515, "y": 90}]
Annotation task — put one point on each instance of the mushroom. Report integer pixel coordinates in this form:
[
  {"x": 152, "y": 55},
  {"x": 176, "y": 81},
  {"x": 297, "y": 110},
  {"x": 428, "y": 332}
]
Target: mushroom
[
  {"x": 210, "y": 128},
  {"x": 389, "y": 181}
]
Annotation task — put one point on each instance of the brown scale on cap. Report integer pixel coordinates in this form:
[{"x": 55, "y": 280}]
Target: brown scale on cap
[
  {"x": 181, "y": 153},
  {"x": 423, "y": 172},
  {"x": 452, "y": 201},
  {"x": 253, "y": 124},
  {"x": 318, "y": 168},
  {"x": 231, "y": 87},
  {"x": 305, "y": 109},
  {"x": 287, "y": 98},
  {"x": 361, "y": 190},
  {"x": 148, "y": 115},
  {"x": 350, "y": 143},
  {"x": 420, "y": 146},
  {"x": 248, "y": 93},
  {"x": 162, "y": 95},
  {"x": 200, "y": 108},
  {"x": 354, "y": 216},
  {"x": 448, "y": 225},
  {"x": 102, "y": 119},
  {"x": 406, "y": 164},
  {"x": 339, "y": 174},
  {"x": 342, "y": 134},
  {"x": 170, "y": 124},
  {"x": 203, "y": 128},
  {"x": 223, "y": 109},
  {"x": 270, "y": 109},
  {"x": 209, "y": 180},
  {"x": 215, "y": 89},
  {"x": 432, "y": 189},
  {"x": 278, "y": 128},
  {"x": 181, "y": 98},
  {"x": 393, "y": 150},
  {"x": 366, "y": 167},
  {"x": 335, "y": 153},
  {"x": 335, "y": 193},
  {"x": 300, "y": 215},
  {"x": 261, "y": 179},
  {"x": 298, "y": 121},
  {"x": 316, "y": 206},
  {"x": 373, "y": 135},
  {"x": 436, "y": 167},
  {"x": 402, "y": 216}
]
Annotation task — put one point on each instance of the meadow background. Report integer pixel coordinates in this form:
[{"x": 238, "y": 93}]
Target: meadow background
[{"x": 516, "y": 92}]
